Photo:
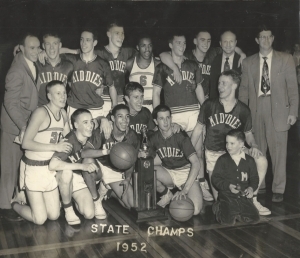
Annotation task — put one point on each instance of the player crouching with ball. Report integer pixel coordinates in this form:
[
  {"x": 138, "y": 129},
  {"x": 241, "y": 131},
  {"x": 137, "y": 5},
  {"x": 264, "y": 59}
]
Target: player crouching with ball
[
  {"x": 236, "y": 178},
  {"x": 180, "y": 164}
]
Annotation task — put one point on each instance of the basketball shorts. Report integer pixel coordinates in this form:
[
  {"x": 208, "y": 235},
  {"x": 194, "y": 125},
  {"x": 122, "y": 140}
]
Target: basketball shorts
[
  {"x": 94, "y": 111},
  {"x": 108, "y": 104},
  {"x": 78, "y": 182},
  {"x": 109, "y": 175},
  {"x": 38, "y": 178},
  {"x": 187, "y": 120},
  {"x": 179, "y": 175}
]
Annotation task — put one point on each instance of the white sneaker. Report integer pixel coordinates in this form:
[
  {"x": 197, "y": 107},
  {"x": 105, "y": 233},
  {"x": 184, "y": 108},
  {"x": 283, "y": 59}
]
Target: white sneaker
[
  {"x": 205, "y": 191},
  {"x": 261, "y": 209},
  {"x": 102, "y": 191},
  {"x": 71, "y": 217},
  {"x": 165, "y": 199},
  {"x": 99, "y": 211}
]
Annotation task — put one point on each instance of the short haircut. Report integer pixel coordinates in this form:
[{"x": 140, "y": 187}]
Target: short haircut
[
  {"x": 237, "y": 134},
  {"x": 51, "y": 34},
  {"x": 175, "y": 34},
  {"x": 119, "y": 107},
  {"x": 52, "y": 84},
  {"x": 27, "y": 34},
  {"x": 196, "y": 35},
  {"x": 132, "y": 86},
  {"x": 263, "y": 27},
  {"x": 236, "y": 77},
  {"x": 76, "y": 113},
  {"x": 90, "y": 30},
  {"x": 160, "y": 108},
  {"x": 143, "y": 36},
  {"x": 114, "y": 23},
  {"x": 223, "y": 32}
]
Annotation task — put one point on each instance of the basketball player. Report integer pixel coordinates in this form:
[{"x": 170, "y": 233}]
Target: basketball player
[
  {"x": 47, "y": 124},
  {"x": 71, "y": 182},
  {"x": 91, "y": 75},
  {"x": 218, "y": 117},
  {"x": 100, "y": 148},
  {"x": 141, "y": 68},
  {"x": 180, "y": 164},
  {"x": 116, "y": 56},
  {"x": 203, "y": 54},
  {"x": 54, "y": 68}
]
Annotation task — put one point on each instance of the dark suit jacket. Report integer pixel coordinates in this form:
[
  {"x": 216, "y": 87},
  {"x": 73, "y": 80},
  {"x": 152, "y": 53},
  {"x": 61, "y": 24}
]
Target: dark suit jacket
[
  {"x": 20, "y": 98},
  {"x": 215, "y": 72},
  {"x": 284, "y": 88}
]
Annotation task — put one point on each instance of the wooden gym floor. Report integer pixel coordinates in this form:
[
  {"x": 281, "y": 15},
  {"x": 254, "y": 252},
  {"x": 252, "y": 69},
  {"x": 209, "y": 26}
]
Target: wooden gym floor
[{"x": 277, "y": 235}]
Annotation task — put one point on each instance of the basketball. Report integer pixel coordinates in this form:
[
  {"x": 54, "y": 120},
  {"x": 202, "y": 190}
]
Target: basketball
[
  {"x": 123, "y": 155},
  {"x": 182, "y": 210}
]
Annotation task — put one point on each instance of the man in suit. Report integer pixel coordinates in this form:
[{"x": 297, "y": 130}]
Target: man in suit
[
  {"x": 228, "y": 60},
  {"x": 269, "y": 87},
  {"x": 20, "y": 100}
]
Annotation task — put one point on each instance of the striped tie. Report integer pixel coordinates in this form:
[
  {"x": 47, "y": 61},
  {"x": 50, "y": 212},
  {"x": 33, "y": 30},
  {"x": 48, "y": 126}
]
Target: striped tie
[{"x": 265, "y": 80}]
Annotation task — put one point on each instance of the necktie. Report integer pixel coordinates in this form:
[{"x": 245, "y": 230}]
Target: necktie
[
  {"x": 36, "y": 73},
  {"x": 226, "y": 65},
  {"x": 265, "y": 80}
]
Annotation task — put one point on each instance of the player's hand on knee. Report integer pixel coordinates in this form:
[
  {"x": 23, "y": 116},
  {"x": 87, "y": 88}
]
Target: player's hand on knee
[
  {"x": 177, "y": 76},
  {"x": 42, "y": 57},
  {"x": 63, "y": 146},
  {"x": 90, "y": 167},
  {"x": 176, "y": 128},
  {"x": 255, "y": 152},
  {"x": 249, "y": 192},
  {"x": 233, "y": 189},
  {"x": 179, "y": 195}
]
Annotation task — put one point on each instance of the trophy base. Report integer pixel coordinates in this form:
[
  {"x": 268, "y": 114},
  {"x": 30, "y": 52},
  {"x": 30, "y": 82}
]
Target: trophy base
[{"x": 149, "y": 215}]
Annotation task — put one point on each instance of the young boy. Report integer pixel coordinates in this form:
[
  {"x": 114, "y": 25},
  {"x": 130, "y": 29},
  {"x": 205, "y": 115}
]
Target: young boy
[
  {"x": 47, "y": 124},
  {"x": 180, "y": 164},
  {"x": 236, "y": 178}
]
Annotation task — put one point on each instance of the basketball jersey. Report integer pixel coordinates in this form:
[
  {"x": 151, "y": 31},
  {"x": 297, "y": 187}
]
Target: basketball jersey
[
  {"x": 143, "y": 77},
  {"x": 62, "y": 71},
  {"x": 51, "y": 134},
  {"x": 218, "y": 123},
  {"x": 86, "y": 79},
  {"x": 142, "y": 119},
  {"x": 176, "y": 95},
  {"x": 173, "y": 151},
  {"x": 117, "y": 67},
  {"x": 205, "y": 65},
  {"x": 98, "y": 141}
]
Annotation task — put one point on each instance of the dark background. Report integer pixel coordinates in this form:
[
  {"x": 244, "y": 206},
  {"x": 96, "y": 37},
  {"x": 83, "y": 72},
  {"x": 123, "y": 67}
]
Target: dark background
[{"x": 155, "y": 17}]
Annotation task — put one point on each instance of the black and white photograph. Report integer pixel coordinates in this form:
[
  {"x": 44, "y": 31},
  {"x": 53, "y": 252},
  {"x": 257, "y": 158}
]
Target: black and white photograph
[{"x": 165, "y": 129}]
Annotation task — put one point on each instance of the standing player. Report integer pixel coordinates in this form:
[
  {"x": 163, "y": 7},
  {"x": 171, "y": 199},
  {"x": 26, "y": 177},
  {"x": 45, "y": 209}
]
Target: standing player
[
  {"x": 91, "y": 74},
  {"x": 70, "y": 166},
  {"x": 141, "y": 68},
  {"x": 203, "y": 54},
  {"x": 218, "y": 117},
  {"x": 47, "y": 124},
  {"x": 180, "y": 164},
  {"x": 54, "y": 67},
  {"x": 100, "y": 148}
]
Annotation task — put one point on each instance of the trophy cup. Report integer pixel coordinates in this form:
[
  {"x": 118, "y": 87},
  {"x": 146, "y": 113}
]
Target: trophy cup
[{"x": 144, "y": 187}]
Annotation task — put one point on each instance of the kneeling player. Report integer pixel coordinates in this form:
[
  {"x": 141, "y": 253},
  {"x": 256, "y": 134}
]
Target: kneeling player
[
  {"x": 70, "y": 166},
  {"x": 112, "y": 178},
  {"x": 41, "y": 140},
  {"x": 236, "y": 178},
  {"x": 180, "y": 164}
]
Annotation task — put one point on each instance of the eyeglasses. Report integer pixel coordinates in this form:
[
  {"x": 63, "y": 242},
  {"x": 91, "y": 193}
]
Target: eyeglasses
[{"x": 266, "y": 37}]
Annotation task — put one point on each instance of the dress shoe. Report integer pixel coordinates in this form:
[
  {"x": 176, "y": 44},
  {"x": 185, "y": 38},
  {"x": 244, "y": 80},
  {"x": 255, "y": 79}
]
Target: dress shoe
[{"x": 277, "y": 197}]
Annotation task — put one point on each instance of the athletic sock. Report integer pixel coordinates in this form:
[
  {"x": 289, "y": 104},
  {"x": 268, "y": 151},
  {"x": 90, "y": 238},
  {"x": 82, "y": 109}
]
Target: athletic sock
[
  {"x": 164, "y": 191},
  {"x": 201, "y": 179}
]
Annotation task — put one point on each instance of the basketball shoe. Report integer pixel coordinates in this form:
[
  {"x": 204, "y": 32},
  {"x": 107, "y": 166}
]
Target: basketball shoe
[
  {"x": 71, "y": 217},
  {"x": 99, "y": 211},
  {"x": 165, "y": 199}
]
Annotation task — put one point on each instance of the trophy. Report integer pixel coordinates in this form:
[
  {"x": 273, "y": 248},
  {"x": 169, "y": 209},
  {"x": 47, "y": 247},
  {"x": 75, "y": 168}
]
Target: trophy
[{"x": 144, "y": 187}]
